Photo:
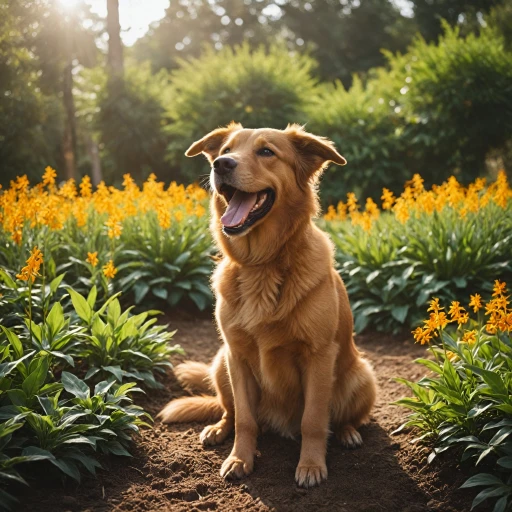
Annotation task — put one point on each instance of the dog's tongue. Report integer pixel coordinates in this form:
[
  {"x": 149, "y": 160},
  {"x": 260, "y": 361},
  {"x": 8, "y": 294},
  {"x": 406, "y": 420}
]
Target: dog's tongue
[{"x": 238, "y": 208}]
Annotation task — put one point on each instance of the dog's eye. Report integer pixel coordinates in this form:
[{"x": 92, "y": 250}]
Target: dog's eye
[
  {"x": 265, "y": 152},
  {"x": 227, "y": 150}
]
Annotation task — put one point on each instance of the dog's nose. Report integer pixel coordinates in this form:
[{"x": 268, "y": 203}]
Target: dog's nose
[{"x": 224, "y": 165}]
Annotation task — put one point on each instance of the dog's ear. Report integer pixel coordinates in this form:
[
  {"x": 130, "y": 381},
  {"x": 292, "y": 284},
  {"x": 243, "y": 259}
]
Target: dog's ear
[
  {"x": 312, "y": 152},
  {"x": 209, "y": 145}
]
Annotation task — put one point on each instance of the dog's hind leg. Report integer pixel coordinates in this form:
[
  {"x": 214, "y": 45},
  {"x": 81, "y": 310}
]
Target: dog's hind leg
[
  {"x": 217, "y": 433},
  {"x": 353, "y": 399}
]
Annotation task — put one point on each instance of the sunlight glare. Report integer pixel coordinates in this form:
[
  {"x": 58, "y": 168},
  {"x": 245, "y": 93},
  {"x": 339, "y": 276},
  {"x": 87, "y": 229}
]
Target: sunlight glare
[{"x": 68, "y": 4}]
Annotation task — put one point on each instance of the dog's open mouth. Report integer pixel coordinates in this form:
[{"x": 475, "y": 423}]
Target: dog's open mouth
[{"x": 244, "y": 208}]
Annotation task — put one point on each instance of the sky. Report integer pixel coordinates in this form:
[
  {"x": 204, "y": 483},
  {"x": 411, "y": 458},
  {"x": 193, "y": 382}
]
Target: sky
[{"x": 136, "y": 15}]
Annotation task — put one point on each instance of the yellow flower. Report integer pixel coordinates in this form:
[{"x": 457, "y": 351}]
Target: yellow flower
[
  {"x": 475, "y": 302},
  {"x": 92, "y": 258},
  {"x": 49, "y": 177},
  {"x": 434, "y": 306},
  {"x": 452, "y": 356},
  {"x": 109, "y": 270},
  {"x": 86, "y": 187},
  {"x": 499, "y": 288},
  {"x": 422, "y": 335},
  {"x": 388, "y": 199},
  {"x": 469, "y": 337},
  {"x": 114, "y": 227},
  {"x": 458, "y": 313},
  {"x": 331, "y": 213},
  {"x": 31, "y": 270},
  {"x": 352, "y": 202}
]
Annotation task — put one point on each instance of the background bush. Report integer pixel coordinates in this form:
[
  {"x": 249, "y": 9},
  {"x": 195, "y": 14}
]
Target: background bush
[
  {"x": 437, "y": 109},
  {"x": 257, "y": 88},
  {"x": 444, "y": 242}
]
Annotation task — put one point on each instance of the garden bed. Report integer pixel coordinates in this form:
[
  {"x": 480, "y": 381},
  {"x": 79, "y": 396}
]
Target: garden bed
[{"x": 171, "y": 471}]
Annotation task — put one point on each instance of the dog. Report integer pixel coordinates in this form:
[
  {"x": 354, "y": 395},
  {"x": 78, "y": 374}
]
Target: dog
[{"x": 288, "y": 362}]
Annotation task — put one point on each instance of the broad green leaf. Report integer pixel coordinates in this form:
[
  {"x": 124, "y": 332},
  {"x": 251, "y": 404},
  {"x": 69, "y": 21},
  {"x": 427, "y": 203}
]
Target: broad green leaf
[{"x": 72, "y": 384}]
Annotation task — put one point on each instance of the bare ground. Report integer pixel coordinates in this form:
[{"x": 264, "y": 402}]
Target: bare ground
[{"x": 170, "y": 470}]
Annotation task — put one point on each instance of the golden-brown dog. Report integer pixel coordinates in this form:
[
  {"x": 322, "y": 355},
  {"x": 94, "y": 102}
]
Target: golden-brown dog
[{"x": 288, "y": 362}]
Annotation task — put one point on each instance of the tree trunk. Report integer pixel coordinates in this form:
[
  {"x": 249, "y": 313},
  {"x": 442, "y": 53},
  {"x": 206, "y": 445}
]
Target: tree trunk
[
  {"x": 115, "y": 46},
  {"x": 69, "y": 139},
  {"x": 94, "y": 155}
]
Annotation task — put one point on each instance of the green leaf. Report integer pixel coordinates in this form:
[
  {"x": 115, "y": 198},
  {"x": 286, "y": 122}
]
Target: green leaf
[
  {"x": 140, "y": 290},
  {"x": 91, "y": 298},
  {"x": 116, "y": 371},
  {"x": 14, "y": 341},
  {"x": 161, "y": 293},
  {"x": 505, "y": 462},
  {"x": 199, "y": 300},
  {"x": 33, "y": 383},
  {"x": 481, "y": 479},
  {"x": 75, "y": 386},
  {"x": 399, "y": 313},
  {"x": 81, "y": 306},
  {"x": 56, "y": 282},
  {"x": 55, "y": 319},
  {"x": 117, "y": 448}
]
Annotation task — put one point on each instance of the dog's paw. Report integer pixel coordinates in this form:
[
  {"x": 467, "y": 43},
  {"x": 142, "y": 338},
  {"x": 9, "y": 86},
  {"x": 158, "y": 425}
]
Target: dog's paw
[
  {"x": 349, "y": 437},
  {"x": 234, "y": 467},
  {"x": 309, "y": 475},
  {"x": 214, "y": 434}
]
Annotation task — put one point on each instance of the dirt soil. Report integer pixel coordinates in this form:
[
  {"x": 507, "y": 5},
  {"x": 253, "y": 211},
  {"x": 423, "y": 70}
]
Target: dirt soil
[{"x": 170, "y": 470}]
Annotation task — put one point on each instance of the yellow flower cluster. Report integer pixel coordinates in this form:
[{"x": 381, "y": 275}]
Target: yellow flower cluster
[
  {"x": 500, "y": 316},
  {"x": 31, "y": 270},
  {"x": 47, "y": 204},
  {"x": 416, "y": 200}
]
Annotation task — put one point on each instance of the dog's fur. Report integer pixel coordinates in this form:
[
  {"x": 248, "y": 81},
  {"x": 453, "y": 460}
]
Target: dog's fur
[{"x": 288, "y": 362}]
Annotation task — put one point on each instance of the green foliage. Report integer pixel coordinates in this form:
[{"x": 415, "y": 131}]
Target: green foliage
[
  {"x": 47, "y": 412},
  {"x": 255, "y": 87},
  {"x": 392, "y": 270},
  {"x": 465, "y": 403},
  {"x": 437, "y": 109},
  {"x": 170, "y": 265},
  {"x": 347, "y": 37},
  {"x": 130, "y": 120}
]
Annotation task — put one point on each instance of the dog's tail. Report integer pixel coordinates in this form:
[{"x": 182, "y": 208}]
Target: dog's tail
[
  {"x": 193, "y": 376},
  {"x": 192, "y": 408}
]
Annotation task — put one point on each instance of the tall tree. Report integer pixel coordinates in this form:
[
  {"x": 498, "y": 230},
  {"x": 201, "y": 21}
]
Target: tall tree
[
  {"x": 115, "y": 45},
  {"x": 429, "y": 13},
  {"x": 62, "y": 43},
  {"x": 347, "y": 36},
  {"x": 188, "y": 25}
]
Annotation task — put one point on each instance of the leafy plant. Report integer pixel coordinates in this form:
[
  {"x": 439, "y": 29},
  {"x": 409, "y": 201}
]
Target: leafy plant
[
  {"x": 445, "y": 242},
  {"x": 466, "y": 400},
  {"x": 48, "y": 413}
]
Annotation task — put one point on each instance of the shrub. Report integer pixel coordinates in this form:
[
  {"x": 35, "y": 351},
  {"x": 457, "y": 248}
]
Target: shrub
[
  {"x": 443, "y": 241},
  {"x": 255, "y": 87},
  {"x": 466, "y": 400},
  {"x": 435, "y": 110},
  {"x": 47, "y": 412},
  {"x": 152, "y": 243},
  {"x": 130, "y": 118}
]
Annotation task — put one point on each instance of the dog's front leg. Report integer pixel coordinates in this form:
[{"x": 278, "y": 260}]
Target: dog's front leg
[
  {"x": 245, "y": 393},
  {"x": 318, "y": 382}
]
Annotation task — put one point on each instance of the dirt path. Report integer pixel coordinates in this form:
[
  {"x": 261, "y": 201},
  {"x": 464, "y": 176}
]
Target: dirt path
[{"x": 172, "y": 471}]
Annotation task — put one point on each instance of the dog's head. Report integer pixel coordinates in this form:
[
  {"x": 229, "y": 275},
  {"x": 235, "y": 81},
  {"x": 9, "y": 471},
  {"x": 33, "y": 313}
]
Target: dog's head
[{"x": 263, "y": 182}]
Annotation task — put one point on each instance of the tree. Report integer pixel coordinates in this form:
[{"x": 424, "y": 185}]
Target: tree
[
  {"x": 115, "y": 45},
  {"x": 347, "y": 36},
  {"x": 61, "y": 44},
  {"x": 429, "y": 13},
  {"x": 189, "y": 25}
]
